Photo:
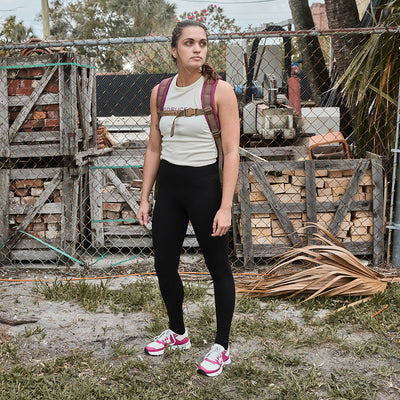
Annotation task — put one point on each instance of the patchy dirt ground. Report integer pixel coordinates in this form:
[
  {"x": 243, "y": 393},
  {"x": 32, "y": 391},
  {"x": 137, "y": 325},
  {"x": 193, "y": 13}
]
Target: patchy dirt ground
[{"x": 63, "y": 327}]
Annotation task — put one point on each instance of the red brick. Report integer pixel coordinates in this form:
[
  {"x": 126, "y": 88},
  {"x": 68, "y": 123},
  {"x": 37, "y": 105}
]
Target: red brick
[
  {"x": 25, "y": 83},
  {"x": 54, "y": 114},
  {"x": 28, "y": 200},
  {"x": 22, "y": 192},
  {"x": 52, "y": 122},
  {"x": 39, "y": 115},
  {"x": 51, "y": 88},
  {"x": 28, "y": 183},
  {"x": 52, "y": 218},
  {"x": 33, "y": 123},
  {"x": 115, "y": 207},
  {"x": 39, "y": 227},
  {"x": 13, "y": 114},
  {"x": 34, "y": 72},
  {"x": 13, "y": 86},
  {"x": 24, "y": 91},
  {"x": 50, "y": 107},
  {"x": 19, "y": 218}
]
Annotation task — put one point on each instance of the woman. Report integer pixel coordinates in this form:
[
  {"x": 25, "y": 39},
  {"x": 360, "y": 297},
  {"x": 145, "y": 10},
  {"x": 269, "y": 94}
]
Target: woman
[{"x": 183, "y": 153}]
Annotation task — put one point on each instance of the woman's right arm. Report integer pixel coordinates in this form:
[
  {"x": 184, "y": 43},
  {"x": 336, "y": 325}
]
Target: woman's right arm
[{"x": 151, "y": 161}]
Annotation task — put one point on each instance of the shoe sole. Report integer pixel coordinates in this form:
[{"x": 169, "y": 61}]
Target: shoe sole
[
  {"x": 216, "y": 373},
  {"x": 185, "y": 346}
]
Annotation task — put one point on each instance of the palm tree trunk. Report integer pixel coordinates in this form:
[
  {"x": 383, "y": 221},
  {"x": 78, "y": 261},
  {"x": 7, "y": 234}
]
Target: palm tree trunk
[
  {"x": 313, "y": 59},
  {"x": 343, "y": 14}
]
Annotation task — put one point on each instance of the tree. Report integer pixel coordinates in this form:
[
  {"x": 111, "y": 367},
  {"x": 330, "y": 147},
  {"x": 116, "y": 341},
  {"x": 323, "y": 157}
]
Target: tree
[
  {"x": 371, "y": 83},
  {"x": 97, "y": 19},
  {"x": 343, "y": 14},
  {"x": 156, "y": 57},
  {"x": 313, "y": 59},
  {"x": 15, "y": 32},
  {"x": 216, "y": 22}
]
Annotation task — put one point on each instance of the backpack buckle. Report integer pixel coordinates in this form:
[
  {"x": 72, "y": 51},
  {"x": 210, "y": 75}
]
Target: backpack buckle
[
  {"x": 189, "y": 112},
  {"x": 208, "y": 110}
]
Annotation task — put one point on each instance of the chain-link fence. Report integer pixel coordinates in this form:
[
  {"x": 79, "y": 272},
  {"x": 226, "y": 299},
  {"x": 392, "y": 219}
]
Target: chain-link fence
[{"x": 73, "y": 136}]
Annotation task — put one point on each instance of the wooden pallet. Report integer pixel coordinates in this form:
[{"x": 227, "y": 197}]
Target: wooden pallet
[
  {"x": 47, "y": 105},
  {"x": 115, "y": 188},
  {"x": 277, "y": 198},
  {"x": 39, "y": 212}
]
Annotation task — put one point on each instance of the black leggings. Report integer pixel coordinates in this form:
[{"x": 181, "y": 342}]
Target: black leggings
[{"x": 191, "y": 193}]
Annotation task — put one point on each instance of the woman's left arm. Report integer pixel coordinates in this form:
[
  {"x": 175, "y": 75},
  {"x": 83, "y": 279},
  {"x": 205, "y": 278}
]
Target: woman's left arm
[{"x": 228, "y": 115}]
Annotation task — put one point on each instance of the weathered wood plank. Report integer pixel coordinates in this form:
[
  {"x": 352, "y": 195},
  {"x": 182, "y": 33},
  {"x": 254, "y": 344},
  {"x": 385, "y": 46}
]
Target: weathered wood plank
[
  {"x": 22, "y": 61},
  {"x": 42, "y": 136},
  {"x": 68, "y": 110},
  {"x": 265, "y": 208},
  {"x": 344, "y": 204},
  {"x": 134, "y": 205},
  {"x": 132, "y": 159},
  {"x": 291, "y": 151},
  {"x": 278, "y": 207},
  {"x": 96, "y": 207},
  {"x": 311, "y": 199},
  {"x": 50, "y": 208},
  {"x": 44, "y": 99},
  {"x": 32, "y": 150},
  {"x": 26, "y": 243},
  {"x": 378, "y": 206},
  {"x": 260, "y": 250},
  {"x": 69, "y": 218},
  {"x": 34, "y": 255},
  {"x": 246, "y": 214},
  {"x": 142, "y": 242},
  {"x": 26, "y": 109},
  {"x": 125, "y": 230},
  {"x": 33, "y": 173},
  {"x": 83, "y": 105},
  {"x": 4, "y": 152},
  {"x": 4, "y": 124},
  {"x": 117, "y": 197}
]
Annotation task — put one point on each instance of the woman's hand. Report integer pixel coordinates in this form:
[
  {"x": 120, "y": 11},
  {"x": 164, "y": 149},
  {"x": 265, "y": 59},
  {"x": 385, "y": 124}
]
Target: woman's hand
[
  {"x": 222, "y": 222},
  {"x": 143, "y": 214}
]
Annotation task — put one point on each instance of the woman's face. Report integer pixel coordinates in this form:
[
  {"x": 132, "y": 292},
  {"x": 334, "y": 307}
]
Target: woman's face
[{"x": 191, "y": 49}]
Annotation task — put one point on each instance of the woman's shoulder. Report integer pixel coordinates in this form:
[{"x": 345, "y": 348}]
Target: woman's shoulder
[{"x": 223, "y": 87}]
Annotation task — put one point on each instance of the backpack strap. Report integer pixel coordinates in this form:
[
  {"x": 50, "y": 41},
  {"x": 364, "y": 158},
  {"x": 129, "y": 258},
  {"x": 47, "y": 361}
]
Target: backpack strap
[{"x": 208, "y": 104}]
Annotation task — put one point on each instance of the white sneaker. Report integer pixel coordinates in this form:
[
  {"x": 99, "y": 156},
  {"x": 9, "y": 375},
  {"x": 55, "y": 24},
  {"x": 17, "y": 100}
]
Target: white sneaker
[
  {"x": 214, "y": 361},
  {"x": 167, "y": 338}
]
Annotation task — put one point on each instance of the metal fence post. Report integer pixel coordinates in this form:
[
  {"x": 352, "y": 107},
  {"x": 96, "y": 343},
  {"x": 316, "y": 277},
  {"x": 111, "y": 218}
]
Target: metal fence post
[{"x": 396, "y": 194}]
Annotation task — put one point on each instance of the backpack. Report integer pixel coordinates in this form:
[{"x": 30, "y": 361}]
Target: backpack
[{"x": 208, "y": 110}]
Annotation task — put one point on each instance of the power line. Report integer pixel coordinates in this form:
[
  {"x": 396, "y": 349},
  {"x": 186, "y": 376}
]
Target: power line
[
  {"x": 12, "y": 9},
  {"x": 229, "y": 2}
]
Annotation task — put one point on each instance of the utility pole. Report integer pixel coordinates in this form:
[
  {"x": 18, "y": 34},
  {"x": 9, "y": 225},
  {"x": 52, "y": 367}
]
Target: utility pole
[{"x": 45, "y": 20}]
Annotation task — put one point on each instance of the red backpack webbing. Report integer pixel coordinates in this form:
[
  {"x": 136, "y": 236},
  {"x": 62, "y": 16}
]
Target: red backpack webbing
[{"x": 208, "y": 109}]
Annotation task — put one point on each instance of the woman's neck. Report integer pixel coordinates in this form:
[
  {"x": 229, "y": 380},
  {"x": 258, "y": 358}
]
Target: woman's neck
[{"x": 186, "y": 78}]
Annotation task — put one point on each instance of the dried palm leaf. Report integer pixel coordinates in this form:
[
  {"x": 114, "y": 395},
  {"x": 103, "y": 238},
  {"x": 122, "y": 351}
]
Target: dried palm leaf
[{"x": 326, "y": 268}]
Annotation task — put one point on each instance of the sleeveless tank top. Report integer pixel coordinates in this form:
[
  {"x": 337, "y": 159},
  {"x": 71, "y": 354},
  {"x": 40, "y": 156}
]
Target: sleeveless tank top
[{"x": 193, "y": 143}]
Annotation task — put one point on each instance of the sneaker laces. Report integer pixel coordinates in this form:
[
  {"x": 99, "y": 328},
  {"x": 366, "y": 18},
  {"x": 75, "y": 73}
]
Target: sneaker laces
[
  {"x": 163, "y": 336},
  {"x": 215, "y": 354}
]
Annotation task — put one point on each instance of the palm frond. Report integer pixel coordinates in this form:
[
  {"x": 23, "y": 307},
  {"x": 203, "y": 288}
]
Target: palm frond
[{"x": 323, "y": 269}]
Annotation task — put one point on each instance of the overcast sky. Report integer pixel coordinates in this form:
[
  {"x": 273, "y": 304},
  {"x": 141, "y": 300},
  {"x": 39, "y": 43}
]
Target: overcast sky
[{"x": 245, "y": 12}]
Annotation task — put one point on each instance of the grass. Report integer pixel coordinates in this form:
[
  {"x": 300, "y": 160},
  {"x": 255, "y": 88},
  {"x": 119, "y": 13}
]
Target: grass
[{"x": 274, "y": 354}]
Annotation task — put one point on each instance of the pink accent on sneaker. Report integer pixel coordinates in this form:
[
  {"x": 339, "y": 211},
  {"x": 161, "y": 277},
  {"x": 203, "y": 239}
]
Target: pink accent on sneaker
[
  {"x": 214, "y": 361},
  {"x": 167, "y": 338}
]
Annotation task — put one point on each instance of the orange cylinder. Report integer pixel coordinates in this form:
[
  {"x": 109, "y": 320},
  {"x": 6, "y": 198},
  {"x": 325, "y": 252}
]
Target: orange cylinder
[{"x": 294, "y": 95}]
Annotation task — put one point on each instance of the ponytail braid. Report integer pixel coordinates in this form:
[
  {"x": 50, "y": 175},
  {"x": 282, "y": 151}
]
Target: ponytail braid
[{"x": 209, "y": 72}]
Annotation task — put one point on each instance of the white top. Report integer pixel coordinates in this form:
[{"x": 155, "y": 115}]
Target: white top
[{"x": 193, "y": 143}]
